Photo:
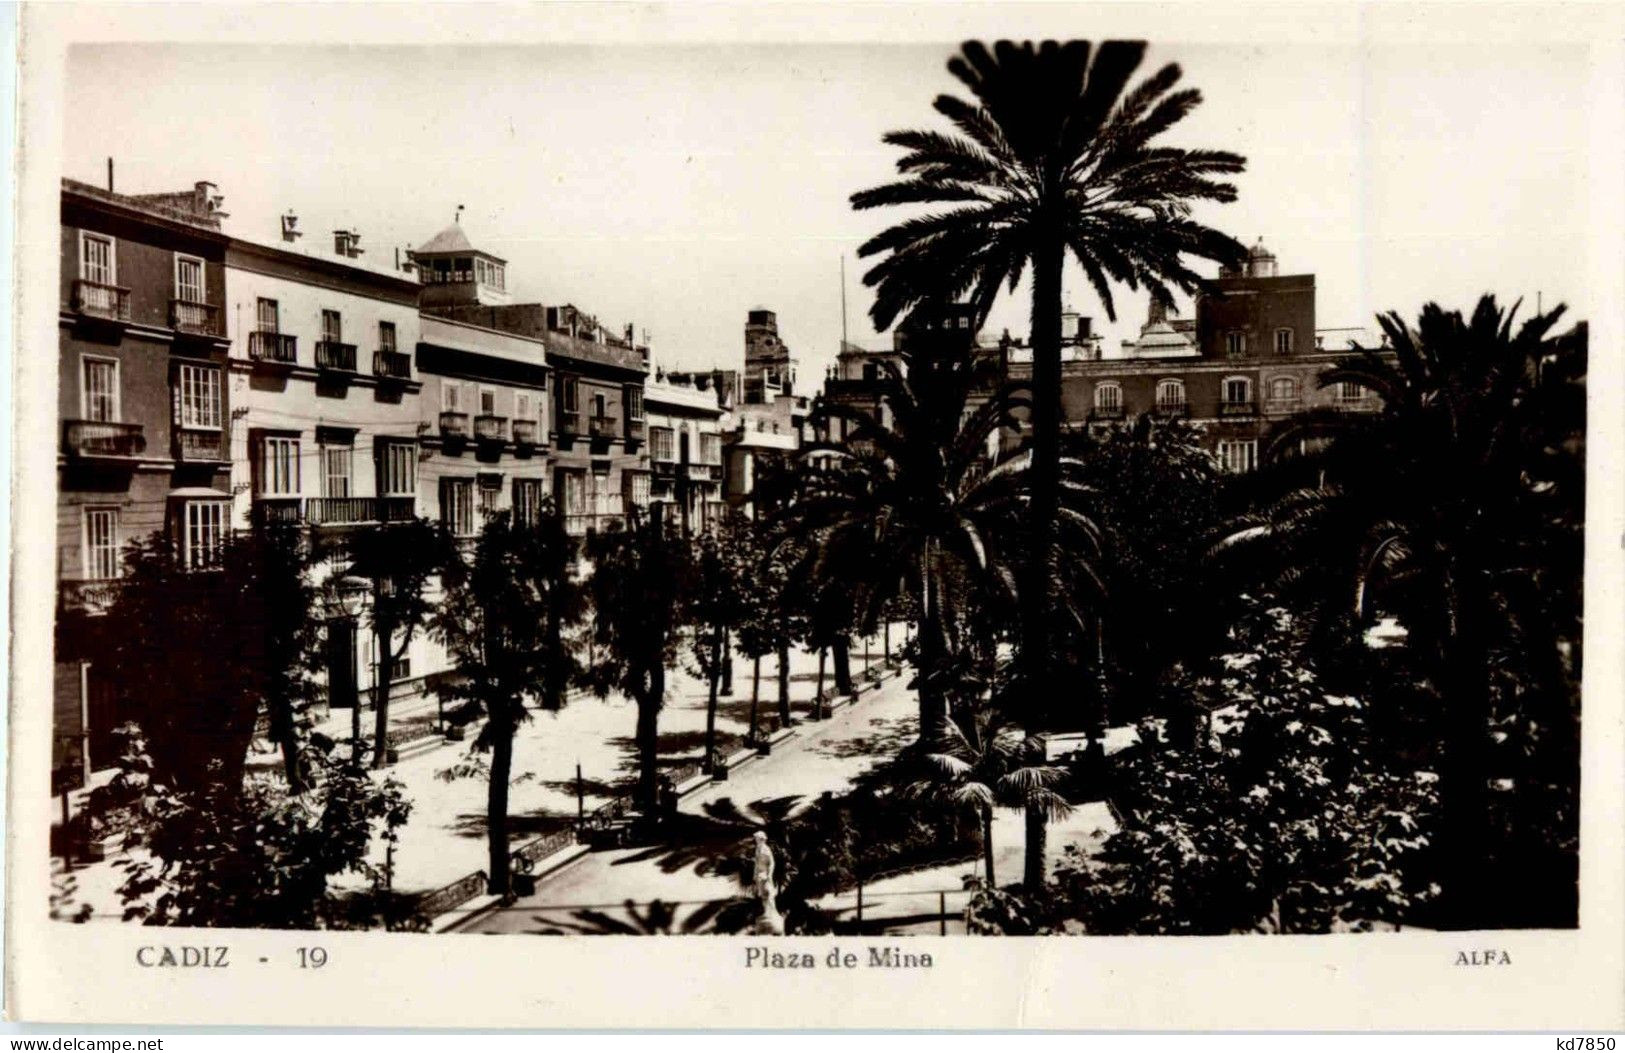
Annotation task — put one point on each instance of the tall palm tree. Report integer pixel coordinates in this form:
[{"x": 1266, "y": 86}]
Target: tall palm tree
[
  {"x": 914, "y": 504},
  {"x": 1053, "y": 157},
  {"x": 1452, "y": 502}
]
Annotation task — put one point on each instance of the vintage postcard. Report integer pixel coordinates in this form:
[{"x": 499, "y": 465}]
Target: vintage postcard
[{"x": 1066, "y": 515}]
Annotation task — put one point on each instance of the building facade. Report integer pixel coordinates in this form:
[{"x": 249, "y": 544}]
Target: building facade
[
  {"x": 685, "y": 450},
  {"x": 144, "y": 411}
]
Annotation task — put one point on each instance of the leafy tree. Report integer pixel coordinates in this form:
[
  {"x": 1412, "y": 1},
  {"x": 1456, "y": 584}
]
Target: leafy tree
[
  {"x": 641, "y": 585},
  {"x": 761, "y": 619},
  {"x": 1157, "y": 504},
  {"x": 197, "y": 705},
  {"x": 1051, "y": 158},
  {"x": 494, "y": 622},
  {"x": 721, "y": 573},
  {"x": 1458, "y": 510},
  {"x": 256, "y": 857},
  {"x": 401, "y": 561}
]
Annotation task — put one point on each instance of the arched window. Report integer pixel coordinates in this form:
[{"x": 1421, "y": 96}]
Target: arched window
[
  {"x": 1283, "y": 389},
  {"x": 1109, "y": 397},
  {"x": 1171, "y": 396}
]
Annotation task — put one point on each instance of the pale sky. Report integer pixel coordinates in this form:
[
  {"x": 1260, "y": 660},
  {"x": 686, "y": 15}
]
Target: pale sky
[{"x": 677, "y": 187}]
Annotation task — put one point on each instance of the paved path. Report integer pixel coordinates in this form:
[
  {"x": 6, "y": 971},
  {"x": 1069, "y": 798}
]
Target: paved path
[{"x": 591, "y": 895}]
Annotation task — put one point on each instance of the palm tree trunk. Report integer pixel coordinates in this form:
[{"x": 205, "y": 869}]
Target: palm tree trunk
[
  {"x": 496, "y": 807},
  {"x": 648, "y": 738},
  {"x": 784, "y": 685},
  {"x": 553, "y": 679},
  {"x": 933, "y": 706},
  {"x": 1464, "y": 795},
  {"x": 987, "y": 846},
  {"x": 1037, "y": 835},
  {"x": 727, "y": 662}
]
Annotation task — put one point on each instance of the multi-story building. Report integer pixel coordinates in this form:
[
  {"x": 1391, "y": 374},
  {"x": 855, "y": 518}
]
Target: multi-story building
[
  {"x": 685, "y": 449},
  {"x": 144, "y": 412},
  {"x": 327, "y": 412},
  {"x": 599, "y": 464}
]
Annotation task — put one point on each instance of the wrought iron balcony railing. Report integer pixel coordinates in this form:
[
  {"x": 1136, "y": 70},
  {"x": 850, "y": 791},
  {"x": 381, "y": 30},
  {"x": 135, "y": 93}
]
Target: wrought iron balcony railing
[
  {"x": 194, "y": 319},
  {"x": 97, "y": 300},
  {"x": 569, "y": 422},
  {"x": 267, "y": 346},
  {"x": 601, "y": 427},
  {"x": 335, "y": 357},
  {"x": 1106, "y": 413},
  {"x": 101, "y": 438},
  {"x": 392, "y": 365},
  {"x": 524, "y": 433},
  {"x": 1230, "y": 408},
  {"x": 334, "y": 511},
  {"x": 1173, "y": 409}
]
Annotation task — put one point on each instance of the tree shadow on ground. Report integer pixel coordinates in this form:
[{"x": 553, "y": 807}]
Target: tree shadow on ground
[
  {"x": 590, "y": 788},
  {"x": 529, "y": 824},
  {"x": 880, "y": 737},
  {"x": 659, "y": 918},
  {"x": 714, "y": 841}
]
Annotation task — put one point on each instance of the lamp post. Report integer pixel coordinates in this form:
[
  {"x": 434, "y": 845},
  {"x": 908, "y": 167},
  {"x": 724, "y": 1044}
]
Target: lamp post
[{"x": 345, "y": 598}]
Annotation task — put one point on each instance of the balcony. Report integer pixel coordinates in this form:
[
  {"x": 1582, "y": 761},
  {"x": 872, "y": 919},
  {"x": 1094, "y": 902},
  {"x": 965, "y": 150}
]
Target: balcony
[
  {"x": 198, "y": 446},
  {"x": 453, "y": 425},
  {"x": 1106, "y": 413},
  {"x": 634, "y": 435},
  {"x": 100, "y": 438},
  {"x": 194, "y": 319},
  {"x": 274, "y": 348},
  {"x": 335, "y": 357},
  {"x": 488, "y": 427},
  {"x": 1230, "y": 408},
  {"x": 1283, "y": 406},
  {"x": 601, "y": 427},
  {"x": 334, "y": 511},
  {"x": 664, "y": 467},
  {"x": 524, "y": 434},
  {"x": 392, "y": 365},
  {"x": 1173, "y": 409},
  {"x": 109, "y": 303},
  {"x": 569, "y": 422}
]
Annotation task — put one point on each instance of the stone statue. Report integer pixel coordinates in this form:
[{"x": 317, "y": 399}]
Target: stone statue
[{"x": 771, "y": 923}]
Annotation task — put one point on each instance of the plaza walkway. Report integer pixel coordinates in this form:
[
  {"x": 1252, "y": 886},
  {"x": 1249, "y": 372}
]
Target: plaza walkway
[{"x": 592, "y": 894}]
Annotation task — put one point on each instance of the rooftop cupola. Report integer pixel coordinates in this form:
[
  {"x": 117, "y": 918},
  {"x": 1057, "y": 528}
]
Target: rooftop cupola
[{"x": 455, "y": 273}]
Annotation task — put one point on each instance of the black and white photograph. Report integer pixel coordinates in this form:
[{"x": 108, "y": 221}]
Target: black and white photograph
[{"x": 1060, "y": 483}]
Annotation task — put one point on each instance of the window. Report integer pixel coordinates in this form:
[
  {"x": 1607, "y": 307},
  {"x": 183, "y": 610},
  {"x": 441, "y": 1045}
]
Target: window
[
  {"x": 522, "y": 406},
  {"x": 266, "y": 316},
  {"x": 1171, "y": 394},
  {"x": 634, "y": 404},
  {"x": 203, "y": 530},
  {"x": 710, "y": 449},
  {"x": 490, "y": 493},
  {"x": 386, "y": 336},
  {"x": 1350, "y": 391},
  {"x": 600, "y": 406},
  {"x": 279, "y": 466},
  {"x": 1238, "y": 390},
  {"x": 1283, "y": 389},
  {"x": 96, "y": 261},
  {"x": 602, "y": 504},
  {"x": 332, "y": 327},
  {"x": 527, "y": 501},
  {"x": 197, "y": 397},
  {"x": 1235, "y": 343},
  {"x": 1238, "y": 455},
  {"x": 400, "y": 666},
  {"x": 1283, "y": 341},
  {"x": 398, "y": 469},
  {"x": 99, "y": 395},
  {"x": 336, "y": 471},
  {"x": 451, "y": 396},
  {"x": 189, "y": 279},
  {"x": 101, "y": 544},
  {"x": 488, "y": 401},
  {"x": 569, "y": 396},
  {"x": 457, "y": 506},
  {"x": 662, "y": 446},
  {"x": 1108, "y": 396},
  {"x": 637, "y": 489}
]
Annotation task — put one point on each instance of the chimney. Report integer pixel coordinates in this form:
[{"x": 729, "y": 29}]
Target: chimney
[
  {"x": 1085, "y": 327},
  {"x": 347, "y": 243},
  {"x": 206, "y": 200},
  {"x": 290, "y": 227},
  {"x": 109, "y": 175}
]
